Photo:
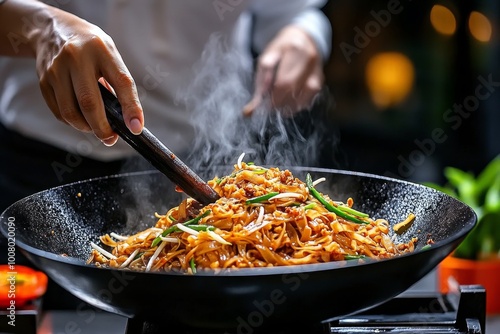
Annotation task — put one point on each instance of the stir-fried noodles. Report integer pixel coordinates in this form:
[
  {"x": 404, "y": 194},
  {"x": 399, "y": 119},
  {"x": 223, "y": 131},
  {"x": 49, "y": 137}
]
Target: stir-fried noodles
[{"x": 264, "y": 217}]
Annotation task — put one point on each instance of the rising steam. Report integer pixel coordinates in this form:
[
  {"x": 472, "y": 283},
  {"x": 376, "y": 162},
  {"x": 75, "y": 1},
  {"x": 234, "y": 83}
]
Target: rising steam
[{"x": 217, "y": 96}]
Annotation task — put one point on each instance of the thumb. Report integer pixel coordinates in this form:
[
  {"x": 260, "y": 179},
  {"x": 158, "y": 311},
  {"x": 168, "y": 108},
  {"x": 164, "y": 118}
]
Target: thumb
[{"x": 251, "y": 106}]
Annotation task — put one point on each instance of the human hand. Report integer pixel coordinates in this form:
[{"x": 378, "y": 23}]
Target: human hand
[
  {"x": 71, "y": 56},
  {"x": 289, "y": 72}
]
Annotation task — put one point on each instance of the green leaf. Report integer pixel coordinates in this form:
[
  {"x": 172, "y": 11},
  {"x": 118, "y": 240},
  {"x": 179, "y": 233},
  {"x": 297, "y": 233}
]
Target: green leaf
[
  {"x": 465, "y": 184},
  {"x": 457, "y": 177},
  {"x": 488, "y": 175},
  {"x": 482, "y": 194},
  {"x": 492, "y": 197},
  {"x": 488, "y": 235}
]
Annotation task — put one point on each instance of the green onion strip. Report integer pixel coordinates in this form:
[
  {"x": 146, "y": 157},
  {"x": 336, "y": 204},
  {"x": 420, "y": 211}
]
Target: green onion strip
[
  {"x": 352, "y": 211},
  {"x": 260, "y": 199},
  {"x": 329, "y": 206},
  {"x": 190, "y": 223},
  {"x": 192, "y": 264}
]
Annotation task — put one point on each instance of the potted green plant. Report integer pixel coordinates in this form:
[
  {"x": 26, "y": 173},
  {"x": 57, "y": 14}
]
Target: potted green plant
[{"x": 477, "y": 259}]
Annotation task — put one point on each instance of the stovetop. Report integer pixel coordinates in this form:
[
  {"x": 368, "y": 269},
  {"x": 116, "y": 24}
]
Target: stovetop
[{"x": 460, "y": 312}]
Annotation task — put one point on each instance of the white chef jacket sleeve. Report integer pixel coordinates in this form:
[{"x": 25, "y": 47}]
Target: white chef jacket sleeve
[{"x": 270, "y": 16}]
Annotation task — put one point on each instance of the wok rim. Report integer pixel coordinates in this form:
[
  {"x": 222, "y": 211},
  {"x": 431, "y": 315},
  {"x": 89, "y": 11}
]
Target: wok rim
[{"x": 266, "y": 271}]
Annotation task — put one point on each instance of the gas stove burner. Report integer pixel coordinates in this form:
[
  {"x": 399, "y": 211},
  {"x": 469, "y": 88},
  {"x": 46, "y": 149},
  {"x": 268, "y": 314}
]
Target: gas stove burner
[{"x": 463, "y": 312}]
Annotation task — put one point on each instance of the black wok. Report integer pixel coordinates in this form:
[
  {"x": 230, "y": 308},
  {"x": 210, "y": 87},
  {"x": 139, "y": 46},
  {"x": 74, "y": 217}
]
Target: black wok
[{"x": 54, "y": 228}]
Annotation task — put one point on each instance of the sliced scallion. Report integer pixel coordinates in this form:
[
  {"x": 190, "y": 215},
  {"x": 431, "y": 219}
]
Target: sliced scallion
[
  {"x": 310, "y": 206},
  {"x": 201, "y": 227},
  {"x": 192, "y": 265},
  {"x": 166, "y": 232},
  {"x": 187, "y": 229},
  {"x": 174, "y": 228},
  {"x": 262, "y": 198},
  {"x": 329, "y": 206},
  {"x": 352, "y": 211}
]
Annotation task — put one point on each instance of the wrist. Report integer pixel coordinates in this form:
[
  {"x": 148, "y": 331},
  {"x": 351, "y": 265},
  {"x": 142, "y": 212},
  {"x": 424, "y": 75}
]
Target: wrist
[
  {"x": 37, "y": 27},
  {"x": 22, "y": 23}
]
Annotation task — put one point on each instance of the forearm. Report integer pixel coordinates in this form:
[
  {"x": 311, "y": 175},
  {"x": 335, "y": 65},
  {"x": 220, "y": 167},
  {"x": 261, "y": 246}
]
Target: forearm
[
  {"x": 71, "y": 55},
  {"x": 306, "y": 14},
  {"x": 22, "y": 23},
  {"x": 293, "y": 38},
  {"x": 317, "y": 26}
]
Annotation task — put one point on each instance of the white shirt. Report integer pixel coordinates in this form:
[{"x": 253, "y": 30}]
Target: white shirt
[{"x": 160, "y": 41}]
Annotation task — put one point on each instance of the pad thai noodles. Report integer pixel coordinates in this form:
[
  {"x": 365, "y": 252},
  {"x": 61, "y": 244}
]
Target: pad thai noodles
[{"x": 264, "y": 217}]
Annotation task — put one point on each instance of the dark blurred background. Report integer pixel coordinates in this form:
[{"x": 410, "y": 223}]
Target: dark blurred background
[{"x": 415, "y": 86}]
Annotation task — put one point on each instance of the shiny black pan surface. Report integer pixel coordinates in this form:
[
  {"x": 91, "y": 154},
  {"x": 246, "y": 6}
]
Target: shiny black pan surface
[{"x": 66, "y": 219}]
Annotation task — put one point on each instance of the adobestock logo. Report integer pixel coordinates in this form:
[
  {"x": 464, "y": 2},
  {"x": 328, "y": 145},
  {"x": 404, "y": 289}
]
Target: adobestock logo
[{"x": 454, "y": 117}]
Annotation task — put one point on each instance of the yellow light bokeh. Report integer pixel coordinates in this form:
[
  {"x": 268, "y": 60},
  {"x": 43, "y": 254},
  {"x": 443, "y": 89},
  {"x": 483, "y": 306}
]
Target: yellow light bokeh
[
  {"x": 389, "y": 77},
  {"x": 480, "y": 27},
  {"x": 443, "y": 20}
]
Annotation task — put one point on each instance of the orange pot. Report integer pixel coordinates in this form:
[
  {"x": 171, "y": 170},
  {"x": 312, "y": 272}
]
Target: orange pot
[{"x": 453, "y": 271}]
